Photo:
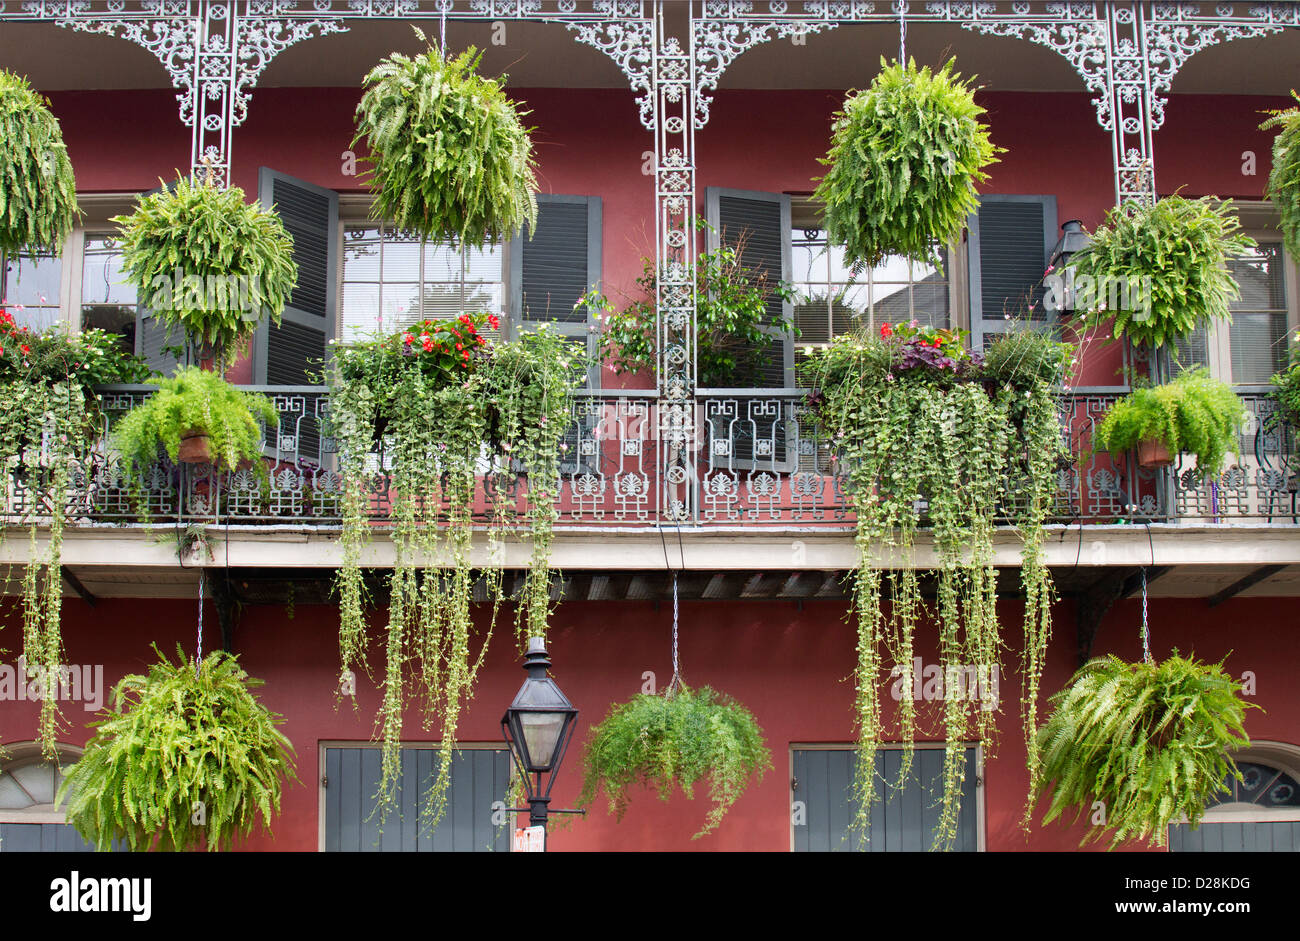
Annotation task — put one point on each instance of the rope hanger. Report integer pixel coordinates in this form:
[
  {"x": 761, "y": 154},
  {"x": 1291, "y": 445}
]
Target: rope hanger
[{"x": 902, "y": 32}]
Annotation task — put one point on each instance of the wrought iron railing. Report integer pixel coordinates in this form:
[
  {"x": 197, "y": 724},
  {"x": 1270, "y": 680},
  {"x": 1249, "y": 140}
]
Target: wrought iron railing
[{"x": 752, "y": 459}]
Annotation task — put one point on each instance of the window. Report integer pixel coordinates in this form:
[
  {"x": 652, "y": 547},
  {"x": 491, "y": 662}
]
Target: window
[
  {"x": 31, "y": 290},
  {"x": 393, "y": 279},
  {"x": 1254, "y": 346},
  {"x": 107, "y": 302},
  {"x": 833, "y": 300},
  {"x": 1261, "y": 812},
  {"x": 29, "y": 819}
]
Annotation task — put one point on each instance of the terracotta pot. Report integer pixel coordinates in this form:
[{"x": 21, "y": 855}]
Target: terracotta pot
[
  {"x": 194, "y": 448},
  {"x": 1153, "y": 453}
]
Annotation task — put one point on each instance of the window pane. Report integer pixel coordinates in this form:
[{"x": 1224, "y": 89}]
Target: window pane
[
  {"x": 1192, "y": 351},
  {"x": 1258, "y": 346},
  {"x": 401, "y": 261},
  {"x": 441, "y": 262},
  {"x": 483, "y": 264},
  {"x": 813, "y": 320},
  {"x": 32, "y": 281},
  {"x": 1259, "y": 277},
  {"x": 102, "y": 279}
]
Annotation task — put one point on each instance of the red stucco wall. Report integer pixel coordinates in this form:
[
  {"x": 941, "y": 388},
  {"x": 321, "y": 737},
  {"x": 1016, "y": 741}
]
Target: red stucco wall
[{"x": 792, "y": 667}]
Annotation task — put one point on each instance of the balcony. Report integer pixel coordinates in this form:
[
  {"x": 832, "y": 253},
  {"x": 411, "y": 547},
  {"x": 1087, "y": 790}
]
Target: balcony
[{"x": 749, "y": 459}]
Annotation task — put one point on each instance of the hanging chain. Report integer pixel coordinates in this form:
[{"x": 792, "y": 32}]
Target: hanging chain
[
  {"x": 902, "y": 32},
  {"x": 1146, "y": 630},
  {"x": 676, "y": 681},
  {"x": 442, "y": 32},
  {"x": 199, "y": 644}
]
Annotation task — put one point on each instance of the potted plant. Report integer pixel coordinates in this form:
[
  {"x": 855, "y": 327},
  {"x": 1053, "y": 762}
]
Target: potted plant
[
  {"x": 186, "y": 758},
  {"x": 449, "y": 156},
  {"x": 924, "y": 432},
  {"x": 674, "y": 741},
  {"x": 1193, "y": 414},
  {"x": 734, "y": 333},
  {"x": 905, "y": 157},
  {"x": 1159, "y": 270},
  {"x": 38, "y": 193},
  {"x": 209, "y": 263},
  {"x": 195, "y": 417},
  {"x": 1284, "y": 178},
  {"x": 1150, "y": 740}
]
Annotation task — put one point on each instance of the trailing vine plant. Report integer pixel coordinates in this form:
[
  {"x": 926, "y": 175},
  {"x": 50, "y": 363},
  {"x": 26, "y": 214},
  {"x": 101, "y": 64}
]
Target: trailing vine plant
[
  {"x": 51, "y": 421},
  {"x": 928, "y": 433},
  {"x": 452, "y": 407}
]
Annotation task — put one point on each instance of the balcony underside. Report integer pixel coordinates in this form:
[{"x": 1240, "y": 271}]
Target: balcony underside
[{"x": 1243, "y": 559}]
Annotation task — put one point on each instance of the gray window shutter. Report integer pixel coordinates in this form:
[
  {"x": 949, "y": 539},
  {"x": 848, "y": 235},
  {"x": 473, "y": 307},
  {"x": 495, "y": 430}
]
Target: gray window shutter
[
  {"x": 155, "y": 342},
  {"x": 762, "y": 222},
  {"x": 556, "y": 266},
  {"x": 1010, "y": 240},
  {"x": 292, "y": 353}
]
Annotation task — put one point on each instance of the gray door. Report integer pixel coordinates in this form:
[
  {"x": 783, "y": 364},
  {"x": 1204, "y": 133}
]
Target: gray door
[
  {"x": 479, "y": 777},
  {"x": 1281, "y": 837},
  {"x": 901, "y": 819},
  {"x": 43, "y": 838}
]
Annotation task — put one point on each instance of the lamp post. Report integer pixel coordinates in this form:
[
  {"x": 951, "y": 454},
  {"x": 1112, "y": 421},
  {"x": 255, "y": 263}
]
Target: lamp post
[{"x": 538, "y": 726}]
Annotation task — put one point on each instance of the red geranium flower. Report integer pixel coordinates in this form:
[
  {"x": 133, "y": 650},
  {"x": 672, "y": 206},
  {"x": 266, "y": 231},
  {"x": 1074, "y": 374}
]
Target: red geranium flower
[
  {"x": 25, "y": 348},
  {"x": 408, "y": 339},
  {"x": 494, "y": 321},
  {"x": 428, "y": 345},
  {"x": 886, "y": 330}
]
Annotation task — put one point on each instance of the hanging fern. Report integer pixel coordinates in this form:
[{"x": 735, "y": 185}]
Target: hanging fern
[
  {"x": 1159, "y": 270},
  {"x": 905, "y": 157},
  {"x": 1284, "y": 179},
  {"x": 450, "y": 158},
  {"x": 209, "y": 263},
  {"x": 38, "y": 194},
  {"x": 675, "y": 741},
  {"x": 1150, "y": 740},
  {"x": 914, "y": 417},
  {"x": 452, "y": 406},
  {"x": 187, "y": 757}
]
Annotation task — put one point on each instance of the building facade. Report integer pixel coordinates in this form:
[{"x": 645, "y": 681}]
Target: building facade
[{"x": 649, "y": 116}]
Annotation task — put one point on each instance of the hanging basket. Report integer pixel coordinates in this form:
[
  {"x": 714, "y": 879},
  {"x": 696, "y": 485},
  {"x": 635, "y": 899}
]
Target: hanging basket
[
  {"x": 1150, "y": 740},
  {"x": 164, "y": 745},
  {"x": 38, "y": 193},
  {"x": 675, "y": 740},
  {"x": 450, "y": 158},
  {"x": 905, "y": 158}
]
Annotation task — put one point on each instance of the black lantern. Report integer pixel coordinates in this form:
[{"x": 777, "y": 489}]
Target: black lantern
[
  {"x": 537, "y": 727},
  {"x": 1059, "y": 277}
]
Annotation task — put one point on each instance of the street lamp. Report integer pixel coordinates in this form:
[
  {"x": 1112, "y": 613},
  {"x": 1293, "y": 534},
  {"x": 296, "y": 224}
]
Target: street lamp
[
  {"x": 1073, "y": 239},
  {"x": 538, "y": 727}
]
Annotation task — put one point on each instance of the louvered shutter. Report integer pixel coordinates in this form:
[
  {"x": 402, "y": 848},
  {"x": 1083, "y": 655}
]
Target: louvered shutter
[
  {"x": 1010, "y": 240},
  {"x": 155, "y": 342},
  {"x": 556, "y": 266},
  {"x": 759, "y": 224},
  {"x": 292, "y": 353}
]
